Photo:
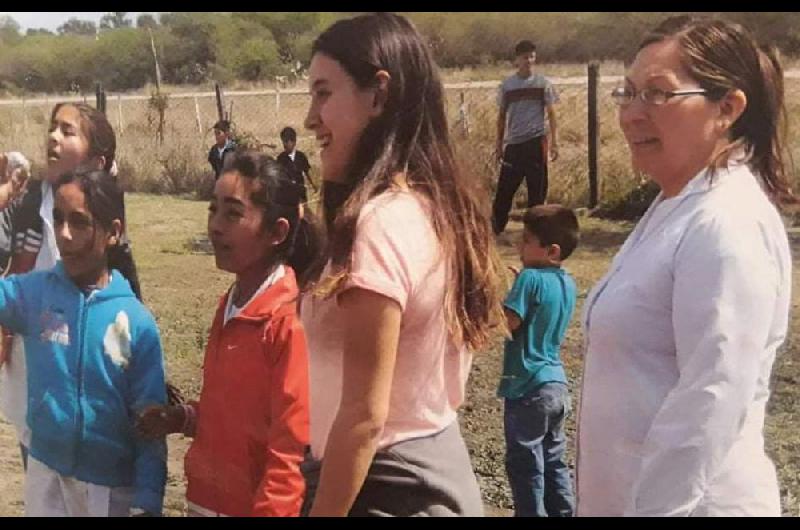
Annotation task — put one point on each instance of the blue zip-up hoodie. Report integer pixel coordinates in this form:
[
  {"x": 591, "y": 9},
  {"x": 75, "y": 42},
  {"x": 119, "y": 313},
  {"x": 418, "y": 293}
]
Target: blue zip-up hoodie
[{"x": 93, "y": 362}]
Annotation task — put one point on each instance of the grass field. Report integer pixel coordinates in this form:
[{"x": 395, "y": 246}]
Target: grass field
[{"x": 182, "y": 288}]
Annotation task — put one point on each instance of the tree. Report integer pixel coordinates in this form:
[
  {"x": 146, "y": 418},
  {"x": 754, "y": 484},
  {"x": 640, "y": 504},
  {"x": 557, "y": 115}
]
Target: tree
[
  {"x": 114, "y": 20},
  {"x": 38, "y": 31},
  {"x": 75, "y": 26},
  {"x": 9, "y": 30},
  {"x": 288, "y": 30},
  {"x": 256, "y": 59},
  {"x": 146, "y": 21},
  {"x": 191, "y": 46}
]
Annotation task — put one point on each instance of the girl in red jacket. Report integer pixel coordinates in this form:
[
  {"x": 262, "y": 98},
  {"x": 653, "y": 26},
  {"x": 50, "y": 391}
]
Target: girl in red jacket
[{"x": 250, "y": 426}]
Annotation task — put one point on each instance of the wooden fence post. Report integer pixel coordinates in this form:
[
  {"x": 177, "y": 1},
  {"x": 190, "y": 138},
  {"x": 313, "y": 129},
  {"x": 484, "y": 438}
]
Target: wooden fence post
[
  {"x": 220, "y": 104},
  {"x": 197, "y": 115},
  {"x": 593, "y": 136},
  {"x": 120, "y": 123},
  {"x": 278, "y": 104},
  {"x": 98, "y": 97}
]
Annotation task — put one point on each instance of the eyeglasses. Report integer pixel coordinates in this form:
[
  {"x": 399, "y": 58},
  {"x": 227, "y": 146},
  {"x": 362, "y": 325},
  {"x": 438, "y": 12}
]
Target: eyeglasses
[{"x": 623, "y": 96}]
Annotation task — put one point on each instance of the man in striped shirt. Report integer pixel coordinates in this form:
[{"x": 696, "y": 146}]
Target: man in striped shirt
[{"x": 526, "y": 117}]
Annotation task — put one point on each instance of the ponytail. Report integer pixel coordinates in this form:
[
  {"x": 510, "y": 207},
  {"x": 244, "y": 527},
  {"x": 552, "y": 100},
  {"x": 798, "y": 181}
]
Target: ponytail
[
  {"x": 770, "y": 158},
  {"x": 120, "y": 257}
]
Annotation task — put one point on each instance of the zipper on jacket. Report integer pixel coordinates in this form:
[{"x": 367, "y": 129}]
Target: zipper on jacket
[{"x": 81, "y": 361}]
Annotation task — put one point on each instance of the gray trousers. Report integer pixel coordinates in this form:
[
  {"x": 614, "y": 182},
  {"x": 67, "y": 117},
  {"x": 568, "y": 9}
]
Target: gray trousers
[{"x": 430, "y": 476}]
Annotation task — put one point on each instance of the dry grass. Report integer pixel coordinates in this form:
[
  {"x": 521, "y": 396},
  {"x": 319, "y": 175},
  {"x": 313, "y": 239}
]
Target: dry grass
[{"x": 179, "y": 165}]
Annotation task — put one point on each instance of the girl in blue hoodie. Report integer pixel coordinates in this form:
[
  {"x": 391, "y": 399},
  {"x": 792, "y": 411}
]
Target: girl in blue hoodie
[{"x": 94, "y": 361}]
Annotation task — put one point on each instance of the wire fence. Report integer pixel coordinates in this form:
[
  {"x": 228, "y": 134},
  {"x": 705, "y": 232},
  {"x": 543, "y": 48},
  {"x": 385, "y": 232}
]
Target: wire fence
[{"x": 178, "y": 164}]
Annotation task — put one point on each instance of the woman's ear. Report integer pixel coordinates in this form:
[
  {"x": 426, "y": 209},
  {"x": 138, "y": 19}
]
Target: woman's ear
[
  {"x": 115, "y": 236},
  {"x": 381, "y": 85},
  {"x": 98, "y": 162},
  {"x": 280, "y": 231},
  {"x": 731, "y": 106}
]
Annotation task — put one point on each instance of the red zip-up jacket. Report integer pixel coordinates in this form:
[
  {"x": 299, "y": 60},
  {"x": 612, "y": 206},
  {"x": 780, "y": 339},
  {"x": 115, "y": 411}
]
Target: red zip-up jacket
[{"x": 252, "y": 417}]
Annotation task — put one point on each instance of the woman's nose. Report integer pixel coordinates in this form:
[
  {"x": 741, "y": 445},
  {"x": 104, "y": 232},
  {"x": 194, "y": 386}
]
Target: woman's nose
[{"x": 311, "y": 120}]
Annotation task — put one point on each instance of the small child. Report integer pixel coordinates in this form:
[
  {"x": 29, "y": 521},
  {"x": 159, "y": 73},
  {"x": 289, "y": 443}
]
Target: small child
[
  {"x": 94, "y": 359},
  {"x": 223, "y": 146},
  {"x": 295, "y": 160},
  {"x": 538, "y": 310},
  {"x": 250, "y": 426}
]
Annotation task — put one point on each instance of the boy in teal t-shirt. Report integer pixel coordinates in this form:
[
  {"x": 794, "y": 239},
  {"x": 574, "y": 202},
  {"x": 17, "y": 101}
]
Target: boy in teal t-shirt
[{"x": 538, "y": 310}]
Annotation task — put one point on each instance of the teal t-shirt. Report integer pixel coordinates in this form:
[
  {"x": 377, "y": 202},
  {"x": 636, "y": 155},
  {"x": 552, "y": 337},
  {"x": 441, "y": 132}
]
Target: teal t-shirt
[{"x": 544, "y": 299}]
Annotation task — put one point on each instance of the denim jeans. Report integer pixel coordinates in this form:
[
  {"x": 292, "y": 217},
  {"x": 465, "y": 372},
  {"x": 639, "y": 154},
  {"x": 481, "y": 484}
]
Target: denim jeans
[{"x": 535, "y": 444}]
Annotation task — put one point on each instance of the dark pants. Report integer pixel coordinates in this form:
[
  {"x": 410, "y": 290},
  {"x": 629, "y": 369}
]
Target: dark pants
[
  {"x": 528, "y": 160},
  {"x": 535, "y": 443}
]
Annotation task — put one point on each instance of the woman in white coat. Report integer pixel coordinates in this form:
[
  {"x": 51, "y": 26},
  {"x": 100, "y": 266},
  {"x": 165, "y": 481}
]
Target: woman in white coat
[{"x": 682, "y": 332}]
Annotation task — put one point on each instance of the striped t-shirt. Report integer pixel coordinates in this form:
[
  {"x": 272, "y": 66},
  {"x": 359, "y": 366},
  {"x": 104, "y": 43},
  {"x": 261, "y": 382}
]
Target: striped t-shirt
[{"x": 524, "y": 100}]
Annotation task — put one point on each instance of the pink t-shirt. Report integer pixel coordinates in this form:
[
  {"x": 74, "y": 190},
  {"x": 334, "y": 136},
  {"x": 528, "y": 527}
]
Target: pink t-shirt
[{"x": 396, "y": 253}]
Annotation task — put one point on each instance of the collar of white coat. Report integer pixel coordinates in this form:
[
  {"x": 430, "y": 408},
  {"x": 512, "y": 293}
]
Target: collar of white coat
[
  {"x": 709, "y": 178},
  {"x": 661, "y": 208}
]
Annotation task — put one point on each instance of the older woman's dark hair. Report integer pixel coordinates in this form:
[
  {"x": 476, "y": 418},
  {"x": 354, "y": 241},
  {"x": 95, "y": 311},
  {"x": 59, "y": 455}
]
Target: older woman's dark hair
[{"x": 723, "y": 56}]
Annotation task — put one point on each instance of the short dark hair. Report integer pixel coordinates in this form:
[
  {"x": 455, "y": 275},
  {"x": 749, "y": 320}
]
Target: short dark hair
[
  {"x": 223, "y": 125},
  {"x": 288, "y": 134},
  {"x": 524, "y": 46},
  {"x": 553, "y": 224}
]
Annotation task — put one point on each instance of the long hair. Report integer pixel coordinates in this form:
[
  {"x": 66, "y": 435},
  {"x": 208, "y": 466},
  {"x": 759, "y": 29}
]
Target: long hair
[
  {"x": 411, "y": 137},
  {"x": 723, "y": 56}
]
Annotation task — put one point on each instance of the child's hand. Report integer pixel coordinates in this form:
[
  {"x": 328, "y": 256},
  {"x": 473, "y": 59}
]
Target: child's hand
[
  {"x": 14, "y": 173},
  {"x": 158, "y": 421},
  {"x": 138, "y": 512},
  {"x": 174, "y": 395}
]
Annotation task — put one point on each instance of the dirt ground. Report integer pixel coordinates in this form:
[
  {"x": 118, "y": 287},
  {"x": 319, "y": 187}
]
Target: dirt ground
[{"x": 184, "y": 318}]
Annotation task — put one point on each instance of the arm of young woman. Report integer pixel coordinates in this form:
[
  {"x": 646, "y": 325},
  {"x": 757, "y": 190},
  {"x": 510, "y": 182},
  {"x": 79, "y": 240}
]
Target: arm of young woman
[
  {"x": 372, "y": 332},
  {"x": 725, "y": 297}
]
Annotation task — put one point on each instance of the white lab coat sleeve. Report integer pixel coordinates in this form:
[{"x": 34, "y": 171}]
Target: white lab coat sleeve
[{"x": 723, "y": 300}]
